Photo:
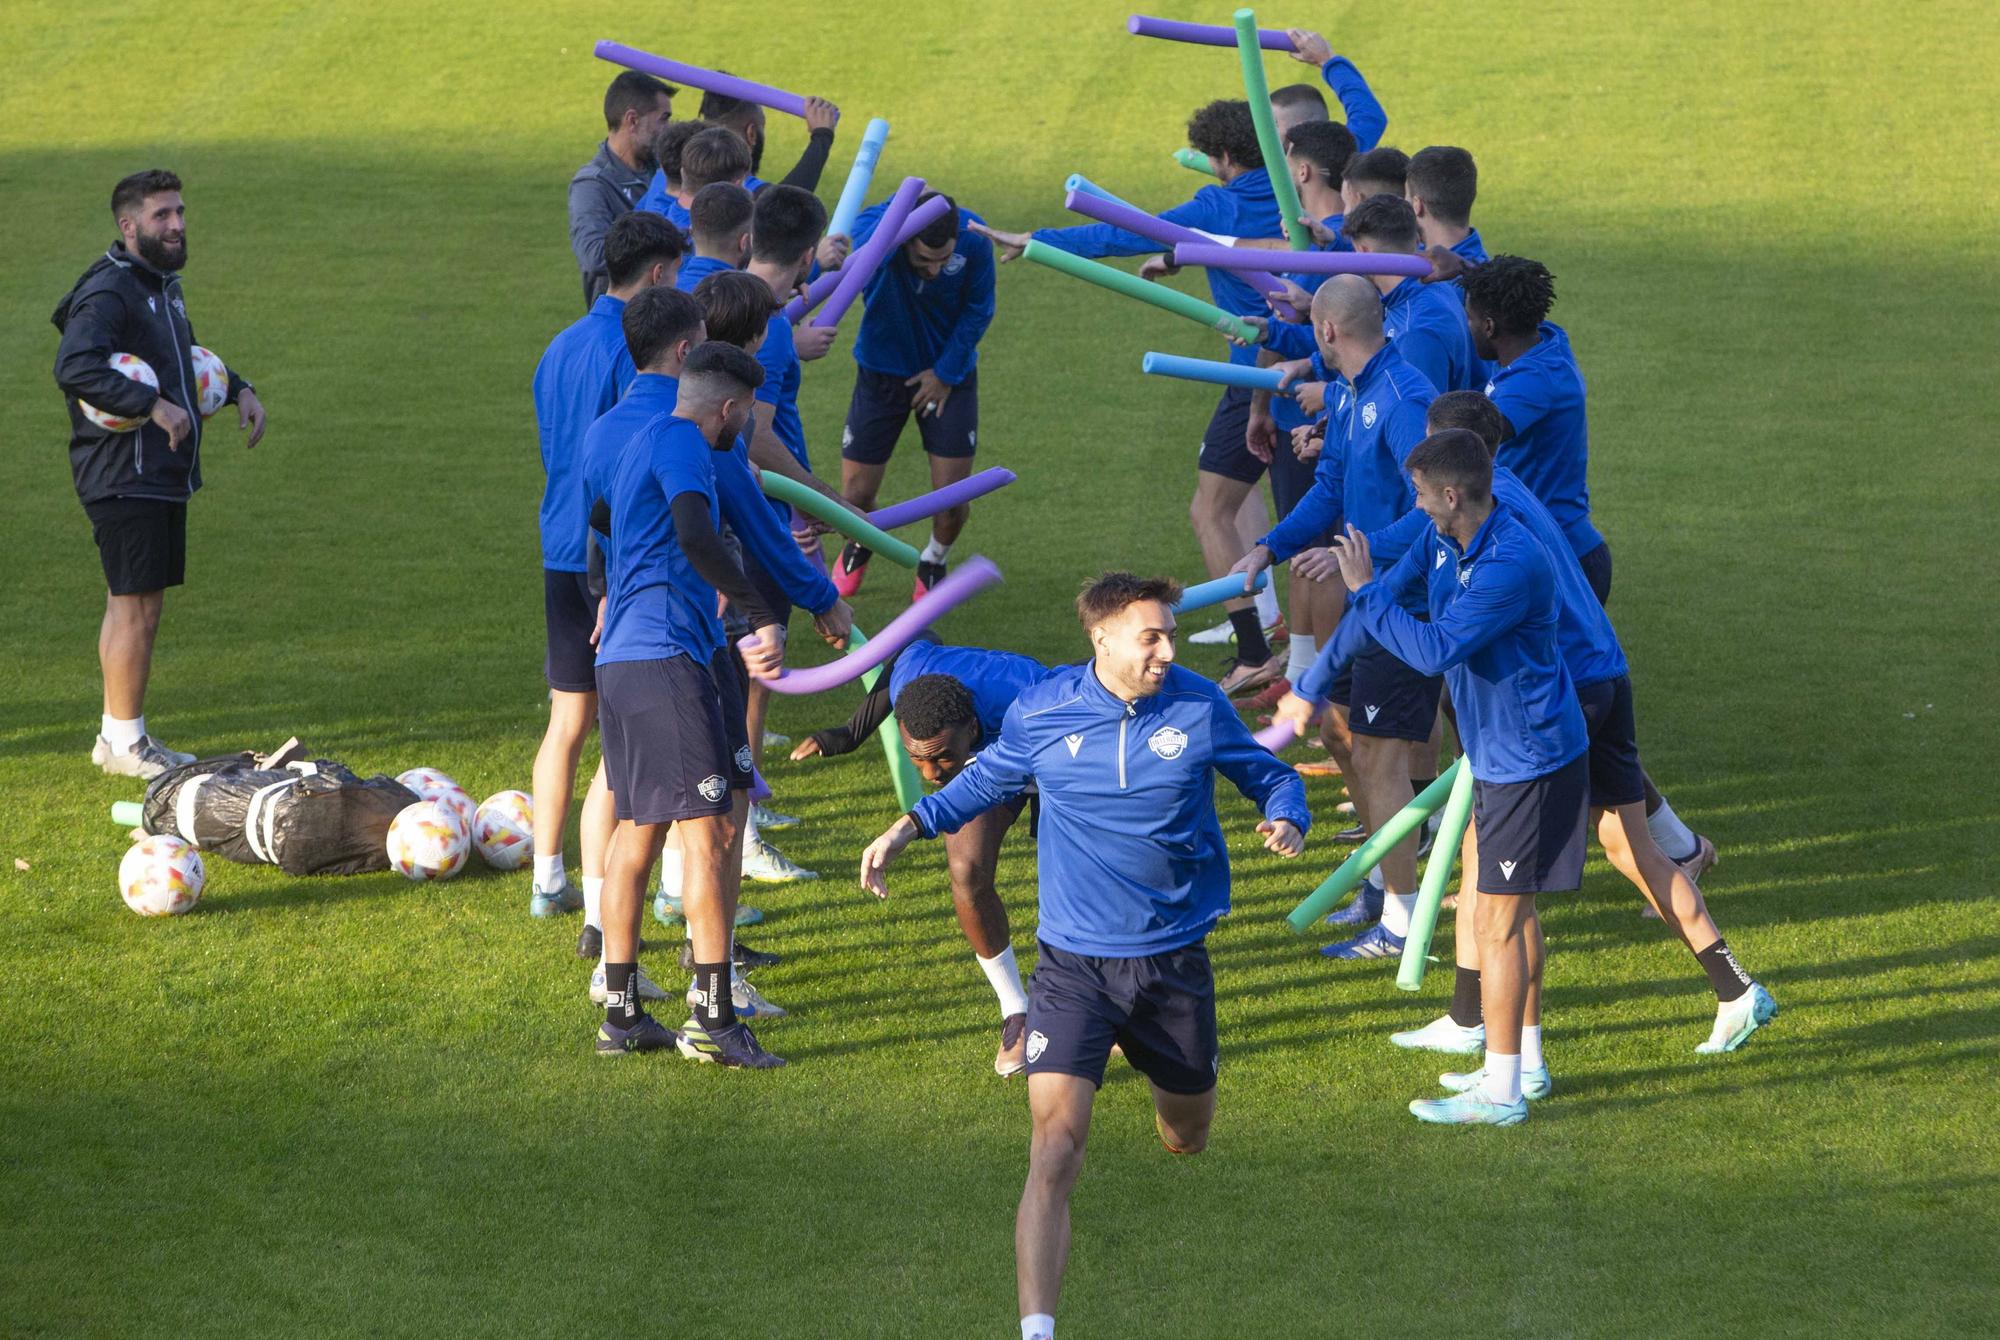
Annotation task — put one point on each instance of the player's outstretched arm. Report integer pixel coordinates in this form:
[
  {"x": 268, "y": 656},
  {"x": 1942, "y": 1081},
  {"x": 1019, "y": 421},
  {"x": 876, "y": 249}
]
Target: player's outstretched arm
[
  {"x": 875, "y": 861},
  {"x": 1275, "y": 787}
]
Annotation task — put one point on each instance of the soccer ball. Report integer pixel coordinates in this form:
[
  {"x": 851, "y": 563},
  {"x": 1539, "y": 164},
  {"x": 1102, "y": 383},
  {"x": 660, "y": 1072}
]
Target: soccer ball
[
  {"x": 161, "y": 876},
  {"x": 430, "y": 784},
  {"x": 139, "y": 370},
  {"x": 428, "y": 841},
  {"x": 211, "y": 380},
  {"x": 504, "y": 829}
]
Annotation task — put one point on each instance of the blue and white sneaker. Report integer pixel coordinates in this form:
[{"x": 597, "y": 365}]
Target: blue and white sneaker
[
  {"x": 1444, "y": 1034},
  {"x": 745, "y": 999},
  {"x": 646, "y": 1035},
  {"x": 763, "y": 816},
  {"x": 643, "y": 986},
  {"x": 1736, "y": 1021},
  {"x": 667, "y": 911},
  {"x": 1365, "y": 910},
  {"x": 569, "y": 898},
  {"x": 1535, "y": 1084},
  {"x": 1375, "y": 942},
  {"x": 735, "y": 1046},
  {"x": 1472, "y": 1108}
]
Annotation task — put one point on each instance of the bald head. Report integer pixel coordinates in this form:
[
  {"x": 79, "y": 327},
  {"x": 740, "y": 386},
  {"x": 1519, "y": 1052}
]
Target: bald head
[{"x": 1347, "y": 322}]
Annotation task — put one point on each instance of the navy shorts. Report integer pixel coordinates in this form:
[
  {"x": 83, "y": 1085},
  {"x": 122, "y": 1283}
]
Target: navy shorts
[
  {"x": 1531, "y": 833},
  {"x": 1291, "y": 479},
  {"x": 673, "y": 737},
  {"x": 1596, "y": 567},
  {"x": 769, "y": 590},
  {"x": 571, "y": 663},
  {"x": 142, "y": 543},
  {"x": 1386, "y": 698},
  {"x": 1160, "y": 1009},
  {"x": 1223, "y": 450},
  {"x": 881, "y": 405},
  {"x": 1616, "y": 776}
]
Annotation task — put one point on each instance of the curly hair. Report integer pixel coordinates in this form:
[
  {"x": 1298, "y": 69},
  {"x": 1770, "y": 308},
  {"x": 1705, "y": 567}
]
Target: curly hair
[
  {"x": 1515, "y": 292},
  {"x": 931, "y": 705},
  {"x": 1225, "y": 127}
]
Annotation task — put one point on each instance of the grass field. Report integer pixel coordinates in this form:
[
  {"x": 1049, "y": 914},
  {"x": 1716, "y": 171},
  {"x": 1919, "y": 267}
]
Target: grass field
[{"x": 363, "y": 1106}]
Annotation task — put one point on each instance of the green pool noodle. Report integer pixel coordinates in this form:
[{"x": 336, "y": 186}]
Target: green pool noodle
[
  {"x": 1156, "y": 295},
  {"x": 128, "y": 814},
  {"x": 1258, "y": 91},
  {"x": 909, "y": 786},
  {"x": 1430, "y": 895},
  {"x": 1194, "y": 160},
  {"x": 1321, "y": 900},
  {"x": 816, "y": 504}
]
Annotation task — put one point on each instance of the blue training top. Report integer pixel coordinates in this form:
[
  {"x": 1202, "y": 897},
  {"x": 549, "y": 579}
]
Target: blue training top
[
  {"x": 911, "y": 324},
  {"x": 581, "y": 374},
  {"x": 1542, "y": 395},
  {"x": 657, "y": 605},
  {"x": 993, "y": 678}
]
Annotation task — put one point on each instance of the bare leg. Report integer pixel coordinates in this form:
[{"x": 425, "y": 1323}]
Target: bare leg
[
  {"x": 571, "y": 715},
  {"x": 1466, "y": 915},
  {"x": 125, "y": 650},
  {"x": 1380, "y": 785},
  {"x": 1339, "y": 743},
  {"x": 1218, "y": 501},
  {"x": 1505, "y": 924},
  {"x": 711, "y": 874},
  {"x": 596, "y": 825},
  {"x": 1060, "y": 1106},
  {"x": 627, "y": 867},
  {"x": 859, "y": 483},
  {"x": 946, "y": 470},
  {"x": 1183, "y": 1119},
  {"x": 756, "y": 706},
  {"x": 972, "y": 854},
  {"x": 1630, "y": 846}
]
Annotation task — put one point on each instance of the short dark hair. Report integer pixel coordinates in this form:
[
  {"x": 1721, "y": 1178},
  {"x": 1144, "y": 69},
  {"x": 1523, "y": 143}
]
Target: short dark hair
[
  {"x": 637, "y": 240},
  {"x": 720, "y": 107},
  {"x": 1386, "y": 218},
  {"x": 1225, "y": 127},
  {"x": 1448, "y": 181},
  {"x": 719, "y": 211},
  {"x": 788, "y": 223},
  {"x": 738, "y": 306},
  {"x": 716, "y": 154},
  {"x": 1299, "y": 95},
  {"x": 1104, "y": 597},
  {"x": 131, "y": 191},
  {"x": 717, "y": 360},
  {"x": 1327, "y": 145},
  {"x": 658, "y": 319},
  {"x": 1515, "y": 292},
  {"x": 1383, "y": 167},
  {"x": 667, "y": 145},
  {"x": 1471, "y": 411},
  {"x": 942, "y": 229},
  {"x": 930, "y": 705},
  {"x": 1454, "y": 458},
  {"x": 632, "y": 91}
]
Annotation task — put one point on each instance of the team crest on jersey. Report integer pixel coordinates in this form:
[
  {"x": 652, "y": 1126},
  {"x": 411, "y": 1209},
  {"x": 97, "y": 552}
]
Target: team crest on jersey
[
  {"x": 712, "y": 787},
  {"x": 742, "y": 758},
  {"x": 1368, "y": 415},
  {"x": 1489, "y": 388},
  {"x": 1167, "y": 741},
  {"x": 1465, "y": 575},
  {"x": 1038, "y": 1042},
  {"x": 955, "y": 264},
  {"x": 181, "y": 307}
]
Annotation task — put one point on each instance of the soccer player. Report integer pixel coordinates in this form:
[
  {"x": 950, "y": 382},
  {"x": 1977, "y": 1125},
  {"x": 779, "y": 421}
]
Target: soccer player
[
  {"x": 709, "y": 154},
  {"x": 1379, "y": 171},
  {"x": 612, "y": 183},
  {"x": 745, "y": 120},
  {"x": 719, "y": 221},
  {"x": 918, "y": 352},
  {"x": 1298, "y": 104},
  {"x": 1441, "y": 183},
  {"x": 580, "y": 376},
  {"x": 672, "y": 720},
  {"x": 1426, "y": 322},
  {"x": 1133, "y": 872},
  {"x": 664, "y": 197},
  {"x": 135, "y": 485},
  {"x": 1540, "y": 392},
  {"x": 949, "y": 704}
]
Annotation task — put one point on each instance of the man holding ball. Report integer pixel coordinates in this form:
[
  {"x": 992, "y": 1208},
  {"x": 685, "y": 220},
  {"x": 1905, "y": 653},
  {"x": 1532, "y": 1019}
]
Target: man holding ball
[{"x": 135, "y": 448}]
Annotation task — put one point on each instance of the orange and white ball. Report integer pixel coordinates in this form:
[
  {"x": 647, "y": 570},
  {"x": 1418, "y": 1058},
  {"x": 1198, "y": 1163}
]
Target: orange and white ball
[
  {"x": 211, "y": 380},
  {"x": 161, "y": 876},
  {"x": 431, "y": 784},
  {"x": 504, "y": 829},
  {"x": 139, "y": 370},
  {"x": 428, "y": 841}
]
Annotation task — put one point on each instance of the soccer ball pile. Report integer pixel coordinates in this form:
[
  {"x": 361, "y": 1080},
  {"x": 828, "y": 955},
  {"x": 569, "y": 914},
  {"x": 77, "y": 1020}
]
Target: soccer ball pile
[{"x": 211, "y": 387}]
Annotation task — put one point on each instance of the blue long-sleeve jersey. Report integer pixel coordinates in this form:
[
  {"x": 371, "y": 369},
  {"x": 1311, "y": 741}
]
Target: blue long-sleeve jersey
[
  {"x": 1242, "y": 207},
  {"x": 993, "y": 678},
  {"x": 1426, "y": 322},
  {"x": 1542, "y": 394},
  {"x": 581, "y": 374},
  {"x": 661, "y": 201},
  {"x": 1366, "y": 120},
  {"x": 911, "y": 324},
  {"x": 1131, "y": 854},
  {"x": 697, "y": 268}
]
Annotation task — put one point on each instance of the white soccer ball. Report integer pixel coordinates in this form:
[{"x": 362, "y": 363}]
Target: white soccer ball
[
  {"x": 504, "y": 829},
  {"x": 211, "y": 380},
  {"x": 161, "y": 876},
  {"x": 139, "y": 370},
  {"x": 430, "y": 784},
  {"x": 428, "y": 841}
]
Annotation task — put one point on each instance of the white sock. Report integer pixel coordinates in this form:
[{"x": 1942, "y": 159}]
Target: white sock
[
  {"x": 1531, "y": 1047},
  {"x": 593, "y": 901},
  {"x": 934, "y": 552},
  {"x": 548, "y": 873},
  {"x": 750, "y": 828},
  {"x": 1396, "y": 909},
  {"x": 1673, "y": 836},
  {"x": 122, "y": 735},
  {"x": 1375, "y": 878},
  {"x": 1004, "y": 976},
  {"x": 1503, "y": 1078},
  {"x": 1041, "y": 1326},
  {"x": 1299, "y": 655},
  {"x": 670, "y": 871},
  {"x": 1267, "y": 606}
]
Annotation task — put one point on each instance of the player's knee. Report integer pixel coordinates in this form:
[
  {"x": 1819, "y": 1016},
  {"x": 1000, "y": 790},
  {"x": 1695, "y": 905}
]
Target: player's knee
[{"x": 1055, "y": 1154}]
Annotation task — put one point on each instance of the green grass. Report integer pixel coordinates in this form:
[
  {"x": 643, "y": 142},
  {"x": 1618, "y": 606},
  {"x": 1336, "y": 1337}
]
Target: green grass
[{"x": 362, "y": 1106}]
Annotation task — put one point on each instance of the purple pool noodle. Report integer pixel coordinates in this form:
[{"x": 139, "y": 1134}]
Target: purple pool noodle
[
  {"x": 708, "y": 81},
  {"x": 951, "y": 495},
  {"x": 1259, "y": 260},
  {"x": 1204, "y": 34},
  {"x": 1276, "y": 736},
  {"x": 976, "y": 575},
  {"x": 922, "y": 217},
  {"x": 861, "y": 266},
  {"x": 759, "y": 788},
  {"x": 1171, "y": 235}
]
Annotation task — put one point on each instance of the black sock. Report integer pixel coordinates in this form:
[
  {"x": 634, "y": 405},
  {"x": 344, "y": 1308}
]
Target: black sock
[
  {"x": 1724, "y": 973},
  {"x": 716, "y": 1010},
  {"x": 1465, "y": 1011},
  {"x": 1251, "y": 648},
  {"x": 621, "y": 1003}
]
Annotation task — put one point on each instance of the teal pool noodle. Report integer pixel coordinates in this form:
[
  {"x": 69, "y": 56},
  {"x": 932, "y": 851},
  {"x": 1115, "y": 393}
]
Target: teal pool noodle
[{"x": 1213, "y": 370}]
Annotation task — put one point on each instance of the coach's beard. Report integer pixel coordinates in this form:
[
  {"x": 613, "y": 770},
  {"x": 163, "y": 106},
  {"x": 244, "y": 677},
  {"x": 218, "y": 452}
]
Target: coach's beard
[{"x": 162, "y": 254}]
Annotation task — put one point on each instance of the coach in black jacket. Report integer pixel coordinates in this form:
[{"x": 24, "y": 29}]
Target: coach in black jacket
[{"x": 135, "y": 485}]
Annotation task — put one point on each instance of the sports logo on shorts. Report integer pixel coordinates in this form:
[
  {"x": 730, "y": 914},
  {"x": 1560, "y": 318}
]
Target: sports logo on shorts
[
  {"x": 742, "y": 758},
  {"x": 847, "y": 435},
  {"x": 1038, "y": 1042},
  {"x": 1368, "y": 415},
  {"x": 955, "y": 264},
  {"x": 152, "y": 306},
  {"x": 712, "y": 787},
  {"x": 1167, "y": 741},
  {"x": 1507, "y": 870},
  {"x": 1372, "y": 709}
]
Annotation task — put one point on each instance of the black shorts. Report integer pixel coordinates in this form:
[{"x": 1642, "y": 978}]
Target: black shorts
[
  {"x": 1223, "y": 450},
  {"x": 1291, "y": 479},
  {"x": 1616, "y": 777},
  {"x": 1596, "y": 567},
  {"x": 142, "y": 542},
  {"x": 1531, "y": 833},
  {"x": 673, "y": 737},
  {"x": 1160, "y": 1009},
  {"x": 1386, "y": 698},
  {"x": 882, "y": 404},
  {"x": 570, "y": 665},
  {"x": 768, "y": 587}
]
